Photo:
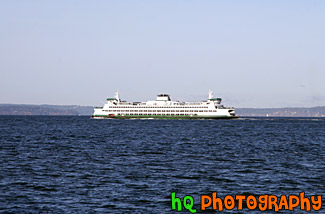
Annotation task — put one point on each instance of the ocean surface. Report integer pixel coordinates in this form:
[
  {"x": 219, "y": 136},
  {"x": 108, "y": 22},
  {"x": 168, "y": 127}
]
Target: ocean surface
[{"x": 71, "y": 164}]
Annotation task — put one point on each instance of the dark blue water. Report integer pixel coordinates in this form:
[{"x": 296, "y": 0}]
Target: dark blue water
[{"x": 80, "y": 165}]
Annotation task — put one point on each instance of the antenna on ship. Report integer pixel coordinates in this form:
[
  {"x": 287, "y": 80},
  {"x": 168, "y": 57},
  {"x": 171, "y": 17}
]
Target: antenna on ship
[
  {"x": 117, "y": 96},
  {"x": 210, "y": 94}
]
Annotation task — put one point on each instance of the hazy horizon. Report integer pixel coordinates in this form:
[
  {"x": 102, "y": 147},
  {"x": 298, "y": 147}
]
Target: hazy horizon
[
  {"x": 253, "y": 54},
  {"x": 100, "y": 105}
]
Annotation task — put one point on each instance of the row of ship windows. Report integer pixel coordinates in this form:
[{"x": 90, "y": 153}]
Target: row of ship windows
[
  {"x": 153, "y": 114},
  {"x": 158, "y": 106},
  {"x": 160, "y": 110}
]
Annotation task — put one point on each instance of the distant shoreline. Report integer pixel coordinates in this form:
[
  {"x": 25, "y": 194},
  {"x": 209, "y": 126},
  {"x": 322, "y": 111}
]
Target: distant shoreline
[{"x": 30, "y": 109}]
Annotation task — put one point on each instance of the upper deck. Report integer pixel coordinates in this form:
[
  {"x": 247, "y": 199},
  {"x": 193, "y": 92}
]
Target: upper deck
[{"x": 164, "y": 101}]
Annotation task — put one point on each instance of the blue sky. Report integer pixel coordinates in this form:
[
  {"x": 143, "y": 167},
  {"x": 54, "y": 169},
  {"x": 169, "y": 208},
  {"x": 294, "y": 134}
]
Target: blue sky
[{"x": 250, "y": 53}]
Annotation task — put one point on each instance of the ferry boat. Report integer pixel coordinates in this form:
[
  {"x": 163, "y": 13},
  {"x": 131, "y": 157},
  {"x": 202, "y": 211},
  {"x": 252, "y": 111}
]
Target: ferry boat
[{"x": 164, "y": 108}]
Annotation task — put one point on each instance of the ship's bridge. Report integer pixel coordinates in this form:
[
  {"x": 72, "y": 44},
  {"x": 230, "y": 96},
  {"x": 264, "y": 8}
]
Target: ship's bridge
[{"x": 163, "y": 97}]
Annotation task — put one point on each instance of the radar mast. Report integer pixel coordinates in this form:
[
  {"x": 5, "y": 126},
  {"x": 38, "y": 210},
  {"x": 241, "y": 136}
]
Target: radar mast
[
  {"x": 117, "y": 96},
  {"x": 210, "y": 94}
]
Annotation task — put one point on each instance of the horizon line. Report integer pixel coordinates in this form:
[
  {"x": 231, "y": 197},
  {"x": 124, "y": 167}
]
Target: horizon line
[{"x": 94, "y": 106}]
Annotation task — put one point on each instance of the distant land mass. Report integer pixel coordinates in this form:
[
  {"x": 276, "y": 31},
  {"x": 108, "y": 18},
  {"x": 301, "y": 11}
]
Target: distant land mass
[
  {"x": 24, "y": 109},
  {"x": 282, "y": 112}
]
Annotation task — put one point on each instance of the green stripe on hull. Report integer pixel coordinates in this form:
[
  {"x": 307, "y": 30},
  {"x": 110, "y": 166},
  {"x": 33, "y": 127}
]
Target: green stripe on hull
[{"x": 163, "y": 117}]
